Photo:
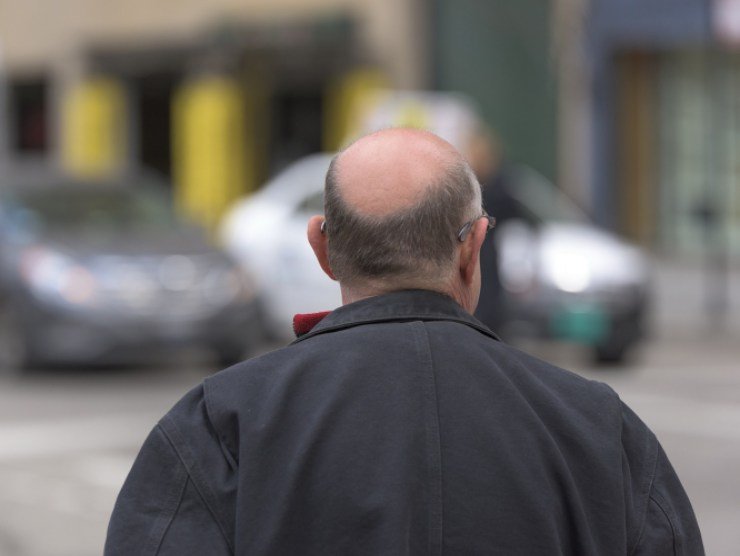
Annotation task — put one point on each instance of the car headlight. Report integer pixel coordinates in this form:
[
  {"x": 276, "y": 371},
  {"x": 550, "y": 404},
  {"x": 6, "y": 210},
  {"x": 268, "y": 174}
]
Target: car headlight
[
  {"x": 54, "y": 277},
  {"x": 178, "y": 273},
  {"x": 569, "y": 271},
  {"x": 225, "y": 285}
]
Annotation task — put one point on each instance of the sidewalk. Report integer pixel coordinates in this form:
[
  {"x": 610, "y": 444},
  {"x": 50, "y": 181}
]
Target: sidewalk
[{"x": 680, "y": 303}]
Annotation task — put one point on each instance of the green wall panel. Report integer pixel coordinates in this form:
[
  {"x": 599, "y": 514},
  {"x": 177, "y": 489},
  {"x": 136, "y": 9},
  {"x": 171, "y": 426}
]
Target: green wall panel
[{"x": 498, "y": 52}]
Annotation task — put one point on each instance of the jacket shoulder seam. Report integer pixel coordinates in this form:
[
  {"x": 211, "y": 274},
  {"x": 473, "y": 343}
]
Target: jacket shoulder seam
[
  {"x": 665, "y": 507},
  {"x": 173, "y": 498},
  {"x": 176, "y": 509},
  {"x": 653, "y": 455},
  {"x": 662, "y": 506},
  {"x": 195, "y": 474},
  {"x": 230, "y": 452}
]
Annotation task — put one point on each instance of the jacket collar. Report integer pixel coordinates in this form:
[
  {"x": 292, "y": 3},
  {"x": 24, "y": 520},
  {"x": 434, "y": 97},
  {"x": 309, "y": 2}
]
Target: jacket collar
[{"x": 400, "y": 306}]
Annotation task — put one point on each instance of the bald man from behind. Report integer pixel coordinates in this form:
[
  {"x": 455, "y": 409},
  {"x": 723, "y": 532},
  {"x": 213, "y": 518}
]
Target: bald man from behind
[{"x": 398, "y": 424}]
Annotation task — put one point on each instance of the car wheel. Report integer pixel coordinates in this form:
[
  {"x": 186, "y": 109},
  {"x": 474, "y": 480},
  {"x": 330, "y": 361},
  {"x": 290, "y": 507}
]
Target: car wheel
[
  {"x": 611, "y": 352},
  {"x": 15, "y": 355}
]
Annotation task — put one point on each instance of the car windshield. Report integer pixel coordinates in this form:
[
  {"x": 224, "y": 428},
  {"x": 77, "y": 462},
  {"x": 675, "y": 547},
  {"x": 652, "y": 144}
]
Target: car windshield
[
  {"x": 545, "y": 201},
  {"x": 102, "y": 209}
]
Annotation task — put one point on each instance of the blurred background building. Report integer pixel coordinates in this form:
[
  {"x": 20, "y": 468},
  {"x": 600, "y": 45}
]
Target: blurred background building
[
  {"x": 216, "y": 96},
  {"x": 630, "y": 106}
]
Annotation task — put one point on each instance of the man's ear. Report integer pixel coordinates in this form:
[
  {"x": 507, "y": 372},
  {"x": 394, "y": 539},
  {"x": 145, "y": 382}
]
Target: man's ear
[
  {"x": 318, "y": 242},
  {"x": 470, "y": 251}
]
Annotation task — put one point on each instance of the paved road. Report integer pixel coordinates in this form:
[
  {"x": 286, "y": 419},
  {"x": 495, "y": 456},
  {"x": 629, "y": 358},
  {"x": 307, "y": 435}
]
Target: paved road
[
  {"x": 68, "y": 439},
  {"x": 688, "y": 392}
]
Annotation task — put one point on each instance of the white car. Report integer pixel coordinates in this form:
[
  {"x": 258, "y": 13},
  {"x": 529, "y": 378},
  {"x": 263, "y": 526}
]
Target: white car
[
  {"x": 563, "y": 277},
  {"x": 267, "y": 234}
]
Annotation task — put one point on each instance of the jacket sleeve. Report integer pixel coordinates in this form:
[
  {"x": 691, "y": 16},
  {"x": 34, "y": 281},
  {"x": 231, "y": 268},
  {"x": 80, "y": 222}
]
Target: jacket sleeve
[
  {"x": 663, "y": 520},
  {"x": 175, "y": 499}
]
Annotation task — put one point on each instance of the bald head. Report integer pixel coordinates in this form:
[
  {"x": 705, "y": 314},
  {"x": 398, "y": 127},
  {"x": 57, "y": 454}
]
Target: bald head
[
  {"x": 394, "y": 202},
  {"x": 392, "y": 169}
]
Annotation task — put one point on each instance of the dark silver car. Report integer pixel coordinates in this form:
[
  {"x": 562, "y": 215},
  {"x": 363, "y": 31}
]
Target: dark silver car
[
  {"x": 566, "y": 279},
  {"x": 105, "y": 272}
]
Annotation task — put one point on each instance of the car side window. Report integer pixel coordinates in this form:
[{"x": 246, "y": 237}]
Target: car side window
[{"x": 313, "y": 204}]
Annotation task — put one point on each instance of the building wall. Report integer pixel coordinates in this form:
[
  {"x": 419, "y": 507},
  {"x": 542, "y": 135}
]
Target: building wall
[
  {"x": 249, "y": 74},
  {"x": 37, "y": 34}
]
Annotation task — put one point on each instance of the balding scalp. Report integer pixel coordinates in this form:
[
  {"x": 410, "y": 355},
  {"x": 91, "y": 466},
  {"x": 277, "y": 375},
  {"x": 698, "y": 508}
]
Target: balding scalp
[
  {"x": 392, "y": 169},
  {"x": 398, "y": 229}
]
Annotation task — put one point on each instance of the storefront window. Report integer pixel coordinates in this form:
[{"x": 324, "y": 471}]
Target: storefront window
[{"x": 699, "y": 137}]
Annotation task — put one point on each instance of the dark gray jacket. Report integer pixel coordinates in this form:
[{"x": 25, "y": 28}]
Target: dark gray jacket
[{"x": 400, "y": 425}]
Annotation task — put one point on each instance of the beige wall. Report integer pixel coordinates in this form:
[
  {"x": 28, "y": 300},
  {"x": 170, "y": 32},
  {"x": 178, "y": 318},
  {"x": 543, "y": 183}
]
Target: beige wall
[{"x": 42, "y": 34}]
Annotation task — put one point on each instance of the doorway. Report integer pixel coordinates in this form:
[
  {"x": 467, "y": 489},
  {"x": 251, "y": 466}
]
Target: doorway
[{"x": 153, "y": 120}]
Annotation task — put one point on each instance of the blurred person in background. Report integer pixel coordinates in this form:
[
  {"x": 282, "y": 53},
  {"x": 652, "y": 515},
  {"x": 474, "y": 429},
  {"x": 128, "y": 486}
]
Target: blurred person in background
[
  {"x": 398, "y": 423},
  {"x": 485, "y": 155}
]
